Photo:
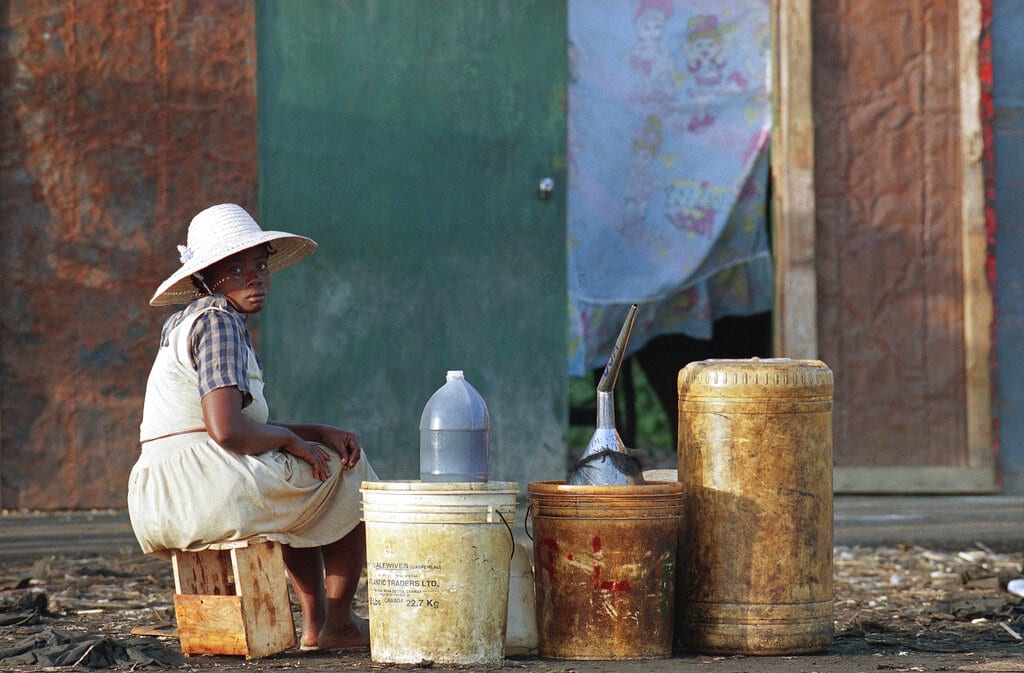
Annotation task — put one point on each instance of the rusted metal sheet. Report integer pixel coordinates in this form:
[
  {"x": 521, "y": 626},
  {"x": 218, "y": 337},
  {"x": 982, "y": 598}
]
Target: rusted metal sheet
[
  {"x": 120, "y": 121},
  {"x": 890, "y": 224}
]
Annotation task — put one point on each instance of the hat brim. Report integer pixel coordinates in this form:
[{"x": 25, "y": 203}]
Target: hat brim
[{"x": 289, "y": 249}]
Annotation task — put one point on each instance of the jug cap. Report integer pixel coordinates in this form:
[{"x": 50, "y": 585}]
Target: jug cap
[{"x": 454, "y": 374}]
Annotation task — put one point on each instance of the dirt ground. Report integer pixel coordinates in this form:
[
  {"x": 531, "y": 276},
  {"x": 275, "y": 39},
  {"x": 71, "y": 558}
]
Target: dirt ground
[{"x": 896, "y": 609}]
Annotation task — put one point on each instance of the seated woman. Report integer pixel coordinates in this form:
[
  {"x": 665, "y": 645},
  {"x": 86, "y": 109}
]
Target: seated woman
[{"x": 213, "y": 467}]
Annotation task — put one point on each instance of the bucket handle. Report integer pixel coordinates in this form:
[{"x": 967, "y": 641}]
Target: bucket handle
[
  {"x": 526, "y": 521},
  {"x": 511, "y": 535}
]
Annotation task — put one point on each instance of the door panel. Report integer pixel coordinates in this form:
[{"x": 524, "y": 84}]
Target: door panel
[
  {"x": 898, "y": 302},
  {"x": 409, "y": 140}
]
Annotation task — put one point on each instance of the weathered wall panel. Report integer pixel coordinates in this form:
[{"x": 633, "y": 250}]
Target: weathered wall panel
[
  {"x": 1008, "y": 128},
  {"x": 119, "y": 121},
  {"x": 890, "y": 302},
  {"x": 436, "y": 250}
]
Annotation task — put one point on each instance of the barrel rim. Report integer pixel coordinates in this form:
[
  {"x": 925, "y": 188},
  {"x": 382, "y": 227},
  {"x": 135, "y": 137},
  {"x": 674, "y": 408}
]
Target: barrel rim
[
  {"x": 756, "y": 374},
  {"x": 561, "y": 488},
  {"x": 405, "y": 486},
  {"x": 772, "y": 364}
]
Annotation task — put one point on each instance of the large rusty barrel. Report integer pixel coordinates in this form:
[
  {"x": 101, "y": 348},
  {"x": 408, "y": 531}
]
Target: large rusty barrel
[
  {"x": 755, "y": 461},
  {"x": 605, "y": 568}
]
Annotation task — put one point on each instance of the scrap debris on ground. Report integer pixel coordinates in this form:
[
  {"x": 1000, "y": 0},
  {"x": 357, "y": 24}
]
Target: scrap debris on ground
[
  {"x": 116, "y": 611},
  {"x": 926, "y": 600}
]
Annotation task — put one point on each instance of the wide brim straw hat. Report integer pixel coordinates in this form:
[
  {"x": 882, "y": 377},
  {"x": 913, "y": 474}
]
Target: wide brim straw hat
[{"x": 218, "y": 232}]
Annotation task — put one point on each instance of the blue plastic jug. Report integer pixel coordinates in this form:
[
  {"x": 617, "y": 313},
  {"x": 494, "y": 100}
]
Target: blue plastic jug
[{"x": 454, "y": 433}]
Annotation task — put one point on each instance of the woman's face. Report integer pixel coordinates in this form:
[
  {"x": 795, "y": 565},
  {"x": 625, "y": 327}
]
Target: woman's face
[{"x": 243, "y": 279}]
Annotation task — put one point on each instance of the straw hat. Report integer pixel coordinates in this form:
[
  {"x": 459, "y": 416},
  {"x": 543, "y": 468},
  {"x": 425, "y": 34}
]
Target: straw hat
[{"x": 217, "y": 233}]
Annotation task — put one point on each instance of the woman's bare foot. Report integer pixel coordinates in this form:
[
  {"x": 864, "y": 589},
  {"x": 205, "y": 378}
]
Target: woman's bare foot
[
  {"x": 354, "y": 633},
  {"x": 309, "y": 635}
]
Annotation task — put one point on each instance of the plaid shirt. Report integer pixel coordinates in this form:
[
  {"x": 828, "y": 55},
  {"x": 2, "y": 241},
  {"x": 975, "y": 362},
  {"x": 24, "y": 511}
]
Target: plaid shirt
[{"x": 218, "y": 343}]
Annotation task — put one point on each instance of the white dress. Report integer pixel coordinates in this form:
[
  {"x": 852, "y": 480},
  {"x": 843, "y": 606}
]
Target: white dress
[{"x": 187, "y": 492}]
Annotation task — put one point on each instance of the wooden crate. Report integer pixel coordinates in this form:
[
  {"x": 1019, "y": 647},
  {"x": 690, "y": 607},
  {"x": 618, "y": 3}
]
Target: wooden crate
[{"x": 233, "y": 599}]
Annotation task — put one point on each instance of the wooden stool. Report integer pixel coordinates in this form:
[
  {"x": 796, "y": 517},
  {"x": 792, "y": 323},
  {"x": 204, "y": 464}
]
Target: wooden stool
[{"x": 233, "y": 599}]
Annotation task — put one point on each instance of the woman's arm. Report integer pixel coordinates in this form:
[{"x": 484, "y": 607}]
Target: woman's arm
[
  {"x": 233, "y": 430},
  {"x": 344, "y": 443}
]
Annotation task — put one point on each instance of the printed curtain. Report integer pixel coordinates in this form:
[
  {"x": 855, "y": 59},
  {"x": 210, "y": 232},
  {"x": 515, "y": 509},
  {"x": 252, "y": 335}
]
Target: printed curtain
[{"x": 669, "y": 119}]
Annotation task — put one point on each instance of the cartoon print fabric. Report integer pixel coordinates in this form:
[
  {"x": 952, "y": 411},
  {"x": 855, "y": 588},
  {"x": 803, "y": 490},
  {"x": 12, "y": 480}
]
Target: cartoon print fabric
[{"x": 669, "y": 118}]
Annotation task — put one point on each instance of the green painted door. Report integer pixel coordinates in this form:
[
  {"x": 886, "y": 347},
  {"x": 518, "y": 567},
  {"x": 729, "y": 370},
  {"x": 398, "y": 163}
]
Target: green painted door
[{"x": 409, "y": 139}]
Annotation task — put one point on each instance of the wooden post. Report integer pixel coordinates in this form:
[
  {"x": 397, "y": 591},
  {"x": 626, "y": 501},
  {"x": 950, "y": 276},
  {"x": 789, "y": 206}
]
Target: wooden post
[
  {"x": 793, "y": 226},
  {"x": 978, "y": 304}
]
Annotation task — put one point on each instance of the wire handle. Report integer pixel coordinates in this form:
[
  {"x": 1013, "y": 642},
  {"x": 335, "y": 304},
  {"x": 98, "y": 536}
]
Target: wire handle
[{"x": 511, "y": 535}]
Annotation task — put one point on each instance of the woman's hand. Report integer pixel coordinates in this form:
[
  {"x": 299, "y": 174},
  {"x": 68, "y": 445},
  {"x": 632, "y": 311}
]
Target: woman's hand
[
  {"x": 344, "y": 443},
  {"x": 314, "y": 454}
]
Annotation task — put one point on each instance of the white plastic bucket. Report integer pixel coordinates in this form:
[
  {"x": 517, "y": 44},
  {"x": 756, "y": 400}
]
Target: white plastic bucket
[
  {"x": 437, "y": 559},
  {"x": 521, "y": 630}
]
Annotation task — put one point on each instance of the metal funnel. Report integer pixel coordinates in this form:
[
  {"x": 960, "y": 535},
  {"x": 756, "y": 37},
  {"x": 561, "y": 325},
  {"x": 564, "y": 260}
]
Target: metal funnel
[{"x": 606, "y": 460}]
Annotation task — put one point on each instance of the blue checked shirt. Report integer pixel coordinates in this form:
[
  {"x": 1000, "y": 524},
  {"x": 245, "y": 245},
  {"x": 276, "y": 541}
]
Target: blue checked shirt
[{"x": 219, "y": 343}]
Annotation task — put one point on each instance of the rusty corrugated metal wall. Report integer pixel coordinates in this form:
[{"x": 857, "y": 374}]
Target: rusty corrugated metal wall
[
  {"x": 118, "y": 121},
  {"x": 888, "y": 177}
]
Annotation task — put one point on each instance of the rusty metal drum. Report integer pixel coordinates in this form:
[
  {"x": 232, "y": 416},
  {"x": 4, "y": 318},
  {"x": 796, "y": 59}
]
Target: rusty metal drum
[
  {"x": 605, "y": 568},
  {"x": 755, "y": 462}
]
